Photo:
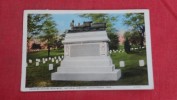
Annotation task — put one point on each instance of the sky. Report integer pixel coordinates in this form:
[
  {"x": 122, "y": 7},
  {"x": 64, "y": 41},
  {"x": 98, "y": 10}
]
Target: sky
[{"x": 63, "y": 21}]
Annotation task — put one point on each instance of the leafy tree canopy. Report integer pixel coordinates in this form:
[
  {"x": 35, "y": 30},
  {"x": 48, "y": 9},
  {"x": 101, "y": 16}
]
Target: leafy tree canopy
[
  {"x": 102, "y": 18},
  {"x": 35, "y": 23},
  {"x": 109, "y": 20},
  {"x": 136, "y": 22}
]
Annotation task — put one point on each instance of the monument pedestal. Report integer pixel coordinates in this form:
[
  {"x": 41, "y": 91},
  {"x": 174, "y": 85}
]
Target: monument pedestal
[
  {"x": 86, "y": 58},
  {"x": 87, "y": 76}
]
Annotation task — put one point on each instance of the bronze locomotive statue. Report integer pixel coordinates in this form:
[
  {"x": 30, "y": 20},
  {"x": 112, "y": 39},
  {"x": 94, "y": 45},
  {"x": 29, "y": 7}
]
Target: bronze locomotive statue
[{"x": 87, "y": 26}]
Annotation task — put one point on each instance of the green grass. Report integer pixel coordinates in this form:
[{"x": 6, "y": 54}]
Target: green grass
[
  {"x": 132, "y": 74},
  {"x": 44, "y": 54}
]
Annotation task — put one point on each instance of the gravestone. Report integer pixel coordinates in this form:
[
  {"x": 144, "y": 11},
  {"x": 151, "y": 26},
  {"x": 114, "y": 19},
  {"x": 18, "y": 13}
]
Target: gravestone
[
  {"x": 43, "y": 61},
  {"x": 50, "y": 66},
  {"x": 37, "y": 63},
  {"x": 141, "y": 63},
  {"x": 38, "y": 60},
  {"x": 52, "y": 59},
  {"x": 86, "y": 58},
  {"x": 30, "y": 61},
  {"x": 122, "y": 64},
  {"x": 59, "y": 59},
  {"x": 56, "y": 61}
]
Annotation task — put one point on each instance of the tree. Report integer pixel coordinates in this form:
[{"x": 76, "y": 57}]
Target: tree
[
  {"x": 113, "y": 43},
  {"x": 127, "y": 45},
  {"x": 102, "y": 18},
  {"x": 136, "y": 21},
  {"x": 133, "y": 37},
  {"x": 49, "y": 31},
  {"x": 111, "y": 30},
  {"x": 34, "y": 25},
  {"x": 58, "y": 42}
]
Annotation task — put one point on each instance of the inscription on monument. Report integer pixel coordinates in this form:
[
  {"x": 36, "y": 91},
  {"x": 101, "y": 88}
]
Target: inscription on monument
[{"x": 84, "y": 50}]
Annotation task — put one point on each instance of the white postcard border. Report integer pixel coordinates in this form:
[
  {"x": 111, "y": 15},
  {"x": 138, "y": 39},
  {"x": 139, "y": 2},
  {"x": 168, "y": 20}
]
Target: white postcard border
[{"x": 76, "y": 88}]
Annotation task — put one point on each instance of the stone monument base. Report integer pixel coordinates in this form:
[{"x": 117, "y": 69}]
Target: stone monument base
[{"x": 87, "y": 76}]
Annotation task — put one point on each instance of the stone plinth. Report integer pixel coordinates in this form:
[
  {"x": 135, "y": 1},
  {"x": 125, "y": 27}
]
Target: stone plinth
[{"x": 86, "y": 58}]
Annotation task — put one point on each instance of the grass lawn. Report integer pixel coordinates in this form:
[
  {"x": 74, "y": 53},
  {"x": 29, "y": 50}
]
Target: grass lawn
[{"x": 132, "y": 74}]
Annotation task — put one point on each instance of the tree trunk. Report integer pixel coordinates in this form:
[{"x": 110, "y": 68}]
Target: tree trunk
[{"x": 48, "y": 51}]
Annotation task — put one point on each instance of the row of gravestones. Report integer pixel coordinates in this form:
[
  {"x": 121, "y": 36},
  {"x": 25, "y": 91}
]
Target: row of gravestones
[
  {"x": 119, "y": 51},
  {"x": 115, "y": 51},
  {"x": 141, "y": 63},
  {"x": 121, "y": 63},
  {"x": 136, "y": 48},
  {"x": 44, "y": 60}
]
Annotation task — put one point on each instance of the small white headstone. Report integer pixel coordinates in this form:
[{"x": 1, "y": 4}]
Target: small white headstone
[
  {"x": 122, "y": 64},
  {"x": 57, "y": 61},
  {"x": 37, "y": 63},
  {"x": 50, "y": 66},
  {"x": 141, "y": 63},
  {"x": 55, "y": 57},
  {"x": 38, "y": 60},
  {"x": 110, "y": 51},
  {"x": 49, "y": 58},
  {"x": 46, "y": 59},
  {"x": 43, "y": 61},
  {"x": 30, "y": 61},
  {"x": 52, "y": 59}
]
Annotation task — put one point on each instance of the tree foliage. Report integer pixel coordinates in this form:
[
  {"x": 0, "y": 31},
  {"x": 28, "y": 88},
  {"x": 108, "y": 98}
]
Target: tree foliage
[
  {"x": 111, "y": 30},
  {"x": 102, "y": 18},
  {"x": 136, "y": 22},
  {"x": 49, "y": 31},
  {"x": 133, "y": 37},
  {"x": 127, "y": 45},
  {"x": 35, "y": 23},
  {"x": 113, "y": 43}
]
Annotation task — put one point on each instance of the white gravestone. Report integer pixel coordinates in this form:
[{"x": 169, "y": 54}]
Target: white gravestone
[
  {"x": 59, "y": 59},
  {"x": 46, "y": 59},
  {"x": 122, "y": 64},
  {"x": 141, "y": 63},
  {"x": 49, "y": 58},
  {"x": 52, "y": 59},
  {"x": 43, "y": 61},
  {"x": 38, "y": 60},
  {"x": 50, "y": 66},
  {"x": 86, "y": 58},
  {"x": 56, "y": 61},
  {"x": 37, "y": 63},
  {"x": 30, "y": 61}
]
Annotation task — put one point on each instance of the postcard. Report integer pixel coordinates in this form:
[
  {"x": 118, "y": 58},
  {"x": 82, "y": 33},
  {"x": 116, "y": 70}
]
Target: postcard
[{"x": 71, "y": 50}]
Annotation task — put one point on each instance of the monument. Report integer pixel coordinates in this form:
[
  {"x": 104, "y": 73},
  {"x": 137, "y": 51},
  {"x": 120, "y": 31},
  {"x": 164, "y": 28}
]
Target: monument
[{"x": 86, "y": 57}]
